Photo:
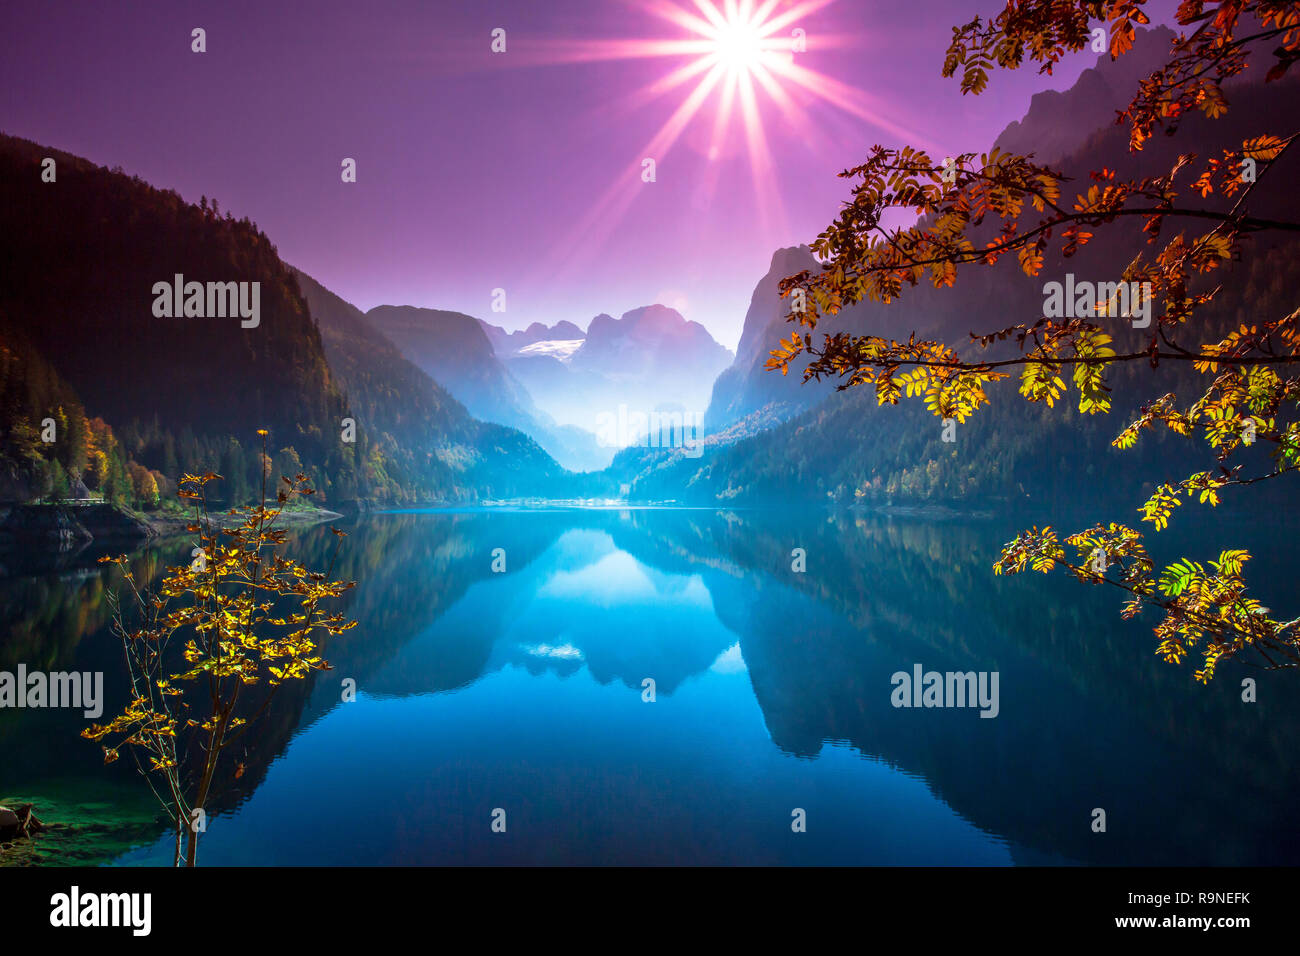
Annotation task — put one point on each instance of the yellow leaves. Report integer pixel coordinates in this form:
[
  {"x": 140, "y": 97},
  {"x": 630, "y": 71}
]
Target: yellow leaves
[
  {"x": 944, "y": 274},
  {"x": 1171, "y": 651},
  {"x": 1201, "y": 605},
  {"x": 975, "y": 79},
  {"x": 888, "y": 388},
  {"x": 1033, "y": 549},
  {"x": 1092, "y": 347},
  {"x": 915, "y": 381},
  {"x": 231, "y": 639},
  {"x": 1163, "y": 410},
  {"x": 1216, "y": 246},
  {"x": 1160, "y": 506},
  {"x": 1048, "y": 187},
  {"x": 1040, "y": 382},
  {"x": 1263, "y": 387},
  {"x": 1230, "y": 562},
  {"x": 1206, "y": 486},
  {"x": 1129, "y": 436}
]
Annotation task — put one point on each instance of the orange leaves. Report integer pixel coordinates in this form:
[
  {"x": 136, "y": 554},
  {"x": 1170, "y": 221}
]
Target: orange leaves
[
  {"x": 1072, "y": 239},
  {"x": 1031, "y": 258},
  {"x": 1247, "y": 401},
  {"x": 782, "y": 356},
  {"x": 872, "y": 263},
  {"x": 1210, "y": 100},
  {"x": 944, "y": 274},
  {"x": 1264, "y": 148},
  {"x": 1103, "y": 200},
  {"x": 1121, "y": 36}
]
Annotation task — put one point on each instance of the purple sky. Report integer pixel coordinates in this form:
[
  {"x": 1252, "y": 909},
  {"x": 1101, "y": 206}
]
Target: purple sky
[{"x": 477, "y": 170}]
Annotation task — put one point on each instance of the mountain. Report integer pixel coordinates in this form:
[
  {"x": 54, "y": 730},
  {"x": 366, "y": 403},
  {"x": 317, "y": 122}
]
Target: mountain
[
  {"x": 1056, "y": 124},
  {"x": 139, "y": 393},
  {"x": 747, "y": 389},
  {"x": 744, "y": 387},
  {"x": 557, "y": 383},
  {"x": 1058, "y": 121},
  {"x": 651, "y": 359},
  {"x": 83, "y": 255},
  {"x": 429, "y": 444},
  {"x": 653, "y": 341},
  {"x": 504, "y": 343},
  {"x": 454, "y": 350},
  {"x": 840, "y": 445}
]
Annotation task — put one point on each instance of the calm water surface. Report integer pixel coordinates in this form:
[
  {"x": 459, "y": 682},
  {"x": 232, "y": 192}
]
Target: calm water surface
[{"x": 523, "y": 690}]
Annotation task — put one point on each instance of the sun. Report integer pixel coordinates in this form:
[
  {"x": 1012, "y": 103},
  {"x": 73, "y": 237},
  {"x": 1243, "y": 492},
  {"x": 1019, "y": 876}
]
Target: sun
[
  {"x": 744, "y": 69},
  {"x": 739, "y": 46}
]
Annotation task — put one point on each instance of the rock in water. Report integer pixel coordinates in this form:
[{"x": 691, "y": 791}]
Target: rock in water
[{"x": 18, "y": 823}]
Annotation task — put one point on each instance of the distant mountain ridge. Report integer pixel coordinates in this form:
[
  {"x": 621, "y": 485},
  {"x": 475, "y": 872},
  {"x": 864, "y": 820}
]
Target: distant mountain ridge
[
  {"x": 189, "y": 394},
  {"x": 424, "y": 432},
  {"x": 1058, "y": 121},
  {"x": 744, "y": 387},
  {"x": 505, "y": 343},
  {"x": 455, "y": 350},
  {"x": 651, "y": 358}
]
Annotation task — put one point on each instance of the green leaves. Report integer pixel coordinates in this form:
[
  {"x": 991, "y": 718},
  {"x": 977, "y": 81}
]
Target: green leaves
[{"x": 1176, "y": 578}]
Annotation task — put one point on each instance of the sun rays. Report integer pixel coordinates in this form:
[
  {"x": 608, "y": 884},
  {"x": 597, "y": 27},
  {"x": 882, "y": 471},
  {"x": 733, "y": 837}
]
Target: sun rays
[{"x": 740, "y": 77}]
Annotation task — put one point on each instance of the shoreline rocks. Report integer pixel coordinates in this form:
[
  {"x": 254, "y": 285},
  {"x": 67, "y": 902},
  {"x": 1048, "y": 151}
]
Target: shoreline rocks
[
  {"x": 18, "y": 822},
  {"x": 69, "y": 527},
  {"x": 49, "y": 526}
]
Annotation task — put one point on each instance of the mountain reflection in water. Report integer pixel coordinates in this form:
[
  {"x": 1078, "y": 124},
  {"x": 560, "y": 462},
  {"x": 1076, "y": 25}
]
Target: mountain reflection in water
[{"x": 524, "y": 690}]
